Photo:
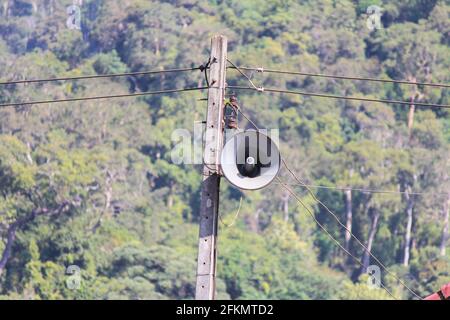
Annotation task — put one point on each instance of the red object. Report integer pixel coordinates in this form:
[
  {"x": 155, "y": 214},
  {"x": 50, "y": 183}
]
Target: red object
[{"x": 443, "y": 294}]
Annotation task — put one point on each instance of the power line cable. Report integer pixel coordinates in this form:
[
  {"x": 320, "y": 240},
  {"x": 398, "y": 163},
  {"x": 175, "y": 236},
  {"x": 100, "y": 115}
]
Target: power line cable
[
  {"x": 100, "y": 76},
  {"x": 321, "y": 226},
  {"x": 236, "y": 215},
  {"x": 321, "y": 75},
  {"x": 350, "y": 232},
  {"x": 323, "y": 95},
  {"x": 243, "y": 74},
  {"x": 16, "y": 104},
  {"x": 368, "y": 190},
  {"x": 337, "y": 219}
]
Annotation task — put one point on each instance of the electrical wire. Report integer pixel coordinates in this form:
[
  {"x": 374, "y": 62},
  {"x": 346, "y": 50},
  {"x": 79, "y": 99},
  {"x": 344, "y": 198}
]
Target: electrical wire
[
  {"x": 248, "y": 78},
  {"x": 349, "y": 231},
  {"x": 368, "y": 190},
  {"x": 236, "y": 215},
  {"x": 323, "y": 95},
  {"x": 16, "y": 104},
  {"x": 334, "y": 215},
  {"x": 321, "y": 75},
  {"x": 99, "y": 76},
  {"x": 321, "y": 226},
  {"x": 337, "y": 219}
]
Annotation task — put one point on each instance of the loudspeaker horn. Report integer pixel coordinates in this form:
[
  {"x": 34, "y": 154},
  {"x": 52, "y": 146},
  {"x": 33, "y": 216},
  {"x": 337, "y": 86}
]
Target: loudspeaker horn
[{"x": 250, "y": 160}]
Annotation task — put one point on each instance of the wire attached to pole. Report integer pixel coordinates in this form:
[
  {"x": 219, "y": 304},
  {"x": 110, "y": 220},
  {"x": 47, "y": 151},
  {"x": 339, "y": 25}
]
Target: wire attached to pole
[
  {"x": 349, "y": 231},
  {"x": 337, "y": 219},
  {"x": 24, "y": 103},
  {"x": 97, "y": 76},
  {"x": 321, "y": 226},
  {"x": 332, "y": 96},
  {"x": 204, "y": 67},
  {"x": 247, "y": 77},
  {"x": 321, "y": 75},
  {"x": 235, "y": 216}
]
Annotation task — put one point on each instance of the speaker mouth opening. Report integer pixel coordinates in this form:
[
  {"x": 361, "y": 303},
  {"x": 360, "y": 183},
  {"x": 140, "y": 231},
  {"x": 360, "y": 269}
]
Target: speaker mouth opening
[
  {"x": 250, "y": 160},
  {"x": 252, "y": 156},
  {"x": 251, "y": 168}
]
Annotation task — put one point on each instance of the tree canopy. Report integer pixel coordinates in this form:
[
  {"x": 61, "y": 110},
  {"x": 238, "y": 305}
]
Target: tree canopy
[{"x": 92, "y": 184}]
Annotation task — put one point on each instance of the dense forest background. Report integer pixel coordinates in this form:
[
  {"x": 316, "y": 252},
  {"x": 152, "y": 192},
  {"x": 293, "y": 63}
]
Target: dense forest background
[{"x": 91, "y": 184}]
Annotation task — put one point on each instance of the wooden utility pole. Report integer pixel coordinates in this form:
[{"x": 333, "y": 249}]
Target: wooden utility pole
[{"x": 209, "y": 210}]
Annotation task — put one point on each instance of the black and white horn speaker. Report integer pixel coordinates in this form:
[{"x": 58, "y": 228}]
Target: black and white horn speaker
[{"x": 250, "y": 160}]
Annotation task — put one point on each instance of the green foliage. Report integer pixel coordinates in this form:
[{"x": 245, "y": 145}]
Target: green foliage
[
  {"x": 158, "y": 267},
  {"x": 109, "y": 63},
  {"x": 92, "y": 183}
]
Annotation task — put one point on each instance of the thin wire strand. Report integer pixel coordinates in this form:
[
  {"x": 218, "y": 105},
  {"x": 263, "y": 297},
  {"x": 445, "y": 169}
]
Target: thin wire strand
[
  {"x": 368, "y": 190},
  {"x": 16, "y": 104},
  {"x": 246, "y": 76},
  {"x": 323, "y": 95},
  {"x": 312, "y": 215},
  {"x": 98, "y": 76},
  {"x": 321, "y": 75},
  {"x": 337, "y": 219},
  {"x": 349, "y": 231},
  {"x": 236, "y": 215},
  {"x": 327, "y": 232}
]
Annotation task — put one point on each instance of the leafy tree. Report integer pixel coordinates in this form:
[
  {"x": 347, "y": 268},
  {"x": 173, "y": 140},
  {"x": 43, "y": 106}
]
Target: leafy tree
[{"x": 92, "y": 183}]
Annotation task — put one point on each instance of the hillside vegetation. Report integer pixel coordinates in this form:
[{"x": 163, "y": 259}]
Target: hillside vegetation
[{"x": 92, "y": 184}]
